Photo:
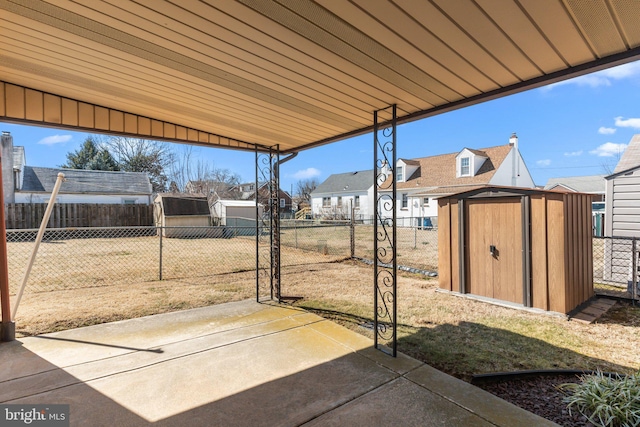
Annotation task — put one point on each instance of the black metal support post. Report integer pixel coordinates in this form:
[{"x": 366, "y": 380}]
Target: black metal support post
[
  {"x": 267, "y": 225},
  {"x": 384, "y": 228},
  {"x": 274, "y": 204}
]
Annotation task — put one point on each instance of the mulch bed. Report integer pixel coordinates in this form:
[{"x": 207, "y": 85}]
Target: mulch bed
[{"x": 540, "y": 396}]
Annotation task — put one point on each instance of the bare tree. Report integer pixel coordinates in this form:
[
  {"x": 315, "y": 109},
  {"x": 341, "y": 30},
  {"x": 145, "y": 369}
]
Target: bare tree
[
  {"x": 191, "y": 174},
  {"x": 304, "y": 188},
  {"x": 142, "y": 155},
  {"x": 608, "y": 164}
]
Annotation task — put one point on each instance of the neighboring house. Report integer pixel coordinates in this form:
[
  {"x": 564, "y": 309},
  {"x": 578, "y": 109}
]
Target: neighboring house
[
  {"x": 592, "y": 184},
  {"x": 420, "y": 182},
  {"x": 335, "y": 196},
  {"x": 623, "y": 194},
  {"x": 247, "y": 191},
  {"x": 84, "y": 186},
  {"x": 30, "y": 184},
  {"x": 622, "y": 215}
]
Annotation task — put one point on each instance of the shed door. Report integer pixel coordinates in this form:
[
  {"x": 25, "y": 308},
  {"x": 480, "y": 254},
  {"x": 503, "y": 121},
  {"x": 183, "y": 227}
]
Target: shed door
[{"x": 494, "y": 223}]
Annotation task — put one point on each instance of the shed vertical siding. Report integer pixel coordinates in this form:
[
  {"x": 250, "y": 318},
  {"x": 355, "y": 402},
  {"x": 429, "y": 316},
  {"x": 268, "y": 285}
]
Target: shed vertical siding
[
  {"x": 561, "y": 253},
  {"x": 539, "y": 253},
  {"x": 444, "y": 245},
  {"x": 557, "y": 253}
]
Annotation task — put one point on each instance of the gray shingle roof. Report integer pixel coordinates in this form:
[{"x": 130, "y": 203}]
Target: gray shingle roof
[
  {"x": 349, "y": 182},
  {"x": 184, "y": 204},
  {"x": 580, "y": 184},
  {"x": 631, "y": 156},
  {"x": 80, "y": 181}
]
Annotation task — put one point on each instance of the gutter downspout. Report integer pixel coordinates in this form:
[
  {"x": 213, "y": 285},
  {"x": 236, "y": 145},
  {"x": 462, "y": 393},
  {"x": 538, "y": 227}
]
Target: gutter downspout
[{"x": 277, "y": 168}]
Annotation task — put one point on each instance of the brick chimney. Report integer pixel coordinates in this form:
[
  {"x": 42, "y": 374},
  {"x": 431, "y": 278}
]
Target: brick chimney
[{"x": 8, "y": 185}]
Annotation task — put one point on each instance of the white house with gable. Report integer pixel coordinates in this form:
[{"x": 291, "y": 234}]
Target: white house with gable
[{"x": 420, "y": 182}]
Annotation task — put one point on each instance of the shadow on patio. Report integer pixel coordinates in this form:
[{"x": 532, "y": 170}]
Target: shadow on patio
[{"x": 238, "y": 364}]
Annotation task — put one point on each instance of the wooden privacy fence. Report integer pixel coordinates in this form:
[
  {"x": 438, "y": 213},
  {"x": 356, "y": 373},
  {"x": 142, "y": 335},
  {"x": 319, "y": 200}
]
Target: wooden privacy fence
[{"x": 65, "y": 215}]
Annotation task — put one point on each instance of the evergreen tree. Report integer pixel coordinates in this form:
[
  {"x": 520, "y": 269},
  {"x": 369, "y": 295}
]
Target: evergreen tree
[{"x": 90, "y": 156}]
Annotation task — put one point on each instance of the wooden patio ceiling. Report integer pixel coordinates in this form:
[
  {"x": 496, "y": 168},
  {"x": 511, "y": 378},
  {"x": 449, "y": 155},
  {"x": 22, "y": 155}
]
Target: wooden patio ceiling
[{"x": 298, "y": 73}]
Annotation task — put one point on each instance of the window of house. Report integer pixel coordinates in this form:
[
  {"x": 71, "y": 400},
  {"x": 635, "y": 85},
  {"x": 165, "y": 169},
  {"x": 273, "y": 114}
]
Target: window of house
[
  {"x": 405, "y": 200},
  {"x": 282, "y": 203},
  {"x": 425, "y": 201},
  {"x": 339, "y": 201},
  {"x": 464, "y": 166},
  {"x": 356, "y": 201},
  {"x": 399, "y": 175},
  {"x": 326, "y": 202},
  {"x": 129, "y": 201}
]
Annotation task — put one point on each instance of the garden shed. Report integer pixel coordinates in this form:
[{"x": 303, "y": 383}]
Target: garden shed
[
  {"x": 523, "y": 246},
  {"x": 181, "y": 210},
  {"x": 235, "y": 213}
]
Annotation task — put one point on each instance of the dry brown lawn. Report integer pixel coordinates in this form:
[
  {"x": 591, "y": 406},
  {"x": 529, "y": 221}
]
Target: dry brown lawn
[
  {"x": 454, "y": 334},
  {"x": 87, "y": 281}
]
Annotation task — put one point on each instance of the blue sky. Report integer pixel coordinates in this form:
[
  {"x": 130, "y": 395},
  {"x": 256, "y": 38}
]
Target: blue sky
[{"x": 573, "y": 128}]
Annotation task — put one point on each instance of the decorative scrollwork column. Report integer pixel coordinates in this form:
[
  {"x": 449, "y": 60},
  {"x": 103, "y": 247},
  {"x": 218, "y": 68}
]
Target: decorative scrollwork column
[
  {"x": 384, "y": 229},
  {"x": 267, "y": 225}
]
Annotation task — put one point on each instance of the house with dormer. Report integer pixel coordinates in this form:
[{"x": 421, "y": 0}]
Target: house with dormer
[{"x": 420, "y": 182}]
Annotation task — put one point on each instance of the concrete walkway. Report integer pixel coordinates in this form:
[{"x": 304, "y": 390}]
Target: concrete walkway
[{"x": 238, "y": 364}]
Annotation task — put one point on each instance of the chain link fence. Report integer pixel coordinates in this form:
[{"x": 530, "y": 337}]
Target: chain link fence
[
  {"x": 416, "y": 241},
  {"x": 616, "y": 266},
  {"x": 93, "y": 257}
]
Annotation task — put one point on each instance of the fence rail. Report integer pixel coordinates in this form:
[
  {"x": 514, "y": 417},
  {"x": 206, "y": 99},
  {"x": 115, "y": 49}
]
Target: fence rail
[
  {"x": 100, "y": 256},
  {"x": 64, "y": 215},
  {"x": 81, "y": 257}
]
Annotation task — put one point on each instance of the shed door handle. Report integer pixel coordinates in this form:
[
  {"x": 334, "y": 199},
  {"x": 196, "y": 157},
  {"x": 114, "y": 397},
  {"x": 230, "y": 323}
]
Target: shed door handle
[{"x": 492, "y": 250}]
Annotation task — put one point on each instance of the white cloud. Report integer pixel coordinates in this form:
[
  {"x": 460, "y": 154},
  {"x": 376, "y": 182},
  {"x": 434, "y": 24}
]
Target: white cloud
[
  {"x": 573, "y": 153},
  {"x": 55, "y": 139},
  {"x": 602, "y": 78},
  {"x": 306, "y": 173},
  {"x": 628, "y": 123},
  {"x": 545, "y": 162},
  {"x": 606, "y": 131},
  {"x": 609, "y": 149}
]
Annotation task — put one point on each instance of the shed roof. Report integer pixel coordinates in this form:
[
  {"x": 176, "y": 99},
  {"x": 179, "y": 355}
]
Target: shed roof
[
  {"x": 183, "y": 204},
  {"x": 237, "y": 203},
  {"x": 81, "y": 181},
  {"x": 292, "y": 73}
]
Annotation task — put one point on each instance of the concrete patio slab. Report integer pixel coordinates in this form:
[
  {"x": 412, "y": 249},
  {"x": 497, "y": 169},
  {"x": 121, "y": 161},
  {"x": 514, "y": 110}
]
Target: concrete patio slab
[{"x": 238, "y": 364}]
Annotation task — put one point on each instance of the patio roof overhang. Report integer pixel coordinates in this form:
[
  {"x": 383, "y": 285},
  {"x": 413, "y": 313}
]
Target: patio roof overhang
[{"x": 296, "y": 73}]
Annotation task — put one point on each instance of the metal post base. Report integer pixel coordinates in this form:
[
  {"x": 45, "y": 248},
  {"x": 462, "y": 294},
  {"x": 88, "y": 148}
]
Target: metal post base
[{"x": 8, "y": 331}]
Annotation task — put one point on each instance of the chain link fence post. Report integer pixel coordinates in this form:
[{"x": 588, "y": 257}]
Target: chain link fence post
[
  {"x": 352, "y": 232},
  {"x": 160, "y": 257}
]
